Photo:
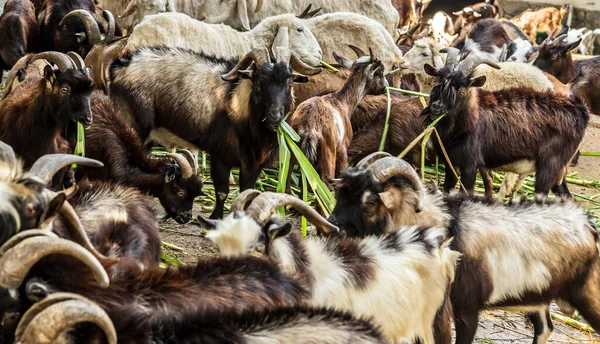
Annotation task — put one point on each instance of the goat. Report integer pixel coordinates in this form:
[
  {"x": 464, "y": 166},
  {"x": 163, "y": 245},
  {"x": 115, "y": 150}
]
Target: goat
[
  {"x": 410, "y": 11},
  {"x": 100, "y": 58},
  {"x": 177, "y": 30},
  {"x": 324, "y": 123},
  {"x": 583, "y": 76},
  {"x": 31, "y": 117},
  {"x": 587, "y": 36},
  {"x": 472, "y": 14},
  {"x": 487, "y": 38},
  {"x": 547, "y": 248},
  {"x": 359, "y": 276},
  {"x": 442, "y": 28},
  {"x": 127, "y": 161},
  {"x": 20, "y": 70},
  {"x": 543, "y": 20},
  {"x": 18, "y": 28},
  {"x": 520, "y": 48},
  {"x": 234, "y": 105},
  {"x": 549, "y": 126}
]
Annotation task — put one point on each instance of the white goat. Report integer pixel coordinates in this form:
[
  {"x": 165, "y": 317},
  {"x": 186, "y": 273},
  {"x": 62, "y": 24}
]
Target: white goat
[
  {"x": 177, "y": 30},
  {"x": 383, "y": 277},
  {"x": 442, "y": 28},
  {"x": 588, "y": 38}
]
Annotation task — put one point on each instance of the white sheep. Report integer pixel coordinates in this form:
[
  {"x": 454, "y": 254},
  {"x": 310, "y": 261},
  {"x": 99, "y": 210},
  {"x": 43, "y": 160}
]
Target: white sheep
[
  {"x": 381, "y": 277},
  {"x": 177, "y": 30}
]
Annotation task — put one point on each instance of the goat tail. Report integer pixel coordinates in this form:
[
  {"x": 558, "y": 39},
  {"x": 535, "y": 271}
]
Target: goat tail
[
  {"x": 449, "y": 258},
  {"x": 310, "y": 145}
]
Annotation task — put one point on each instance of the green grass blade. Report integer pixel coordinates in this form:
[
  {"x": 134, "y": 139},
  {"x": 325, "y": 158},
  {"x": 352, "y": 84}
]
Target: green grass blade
[
  {"x": 328, "y": 66},
  {"x": 290, "y": 131},
  {"x": 284, "y": 165},
  {"x": 386, "y": 126}
]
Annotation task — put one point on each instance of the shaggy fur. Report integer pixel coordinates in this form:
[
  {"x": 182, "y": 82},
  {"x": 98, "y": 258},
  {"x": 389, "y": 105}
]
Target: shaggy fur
[
  {"x": 32, "y": 116},
  {"x": 127, "y": 161},
  {"x": 177, "y": 30},
  {"x": 353, "y": 274},
  {"x": 216, "y": 117},
  {"x": 18, "y": 28},
  {"x": 519, "y": 256}
]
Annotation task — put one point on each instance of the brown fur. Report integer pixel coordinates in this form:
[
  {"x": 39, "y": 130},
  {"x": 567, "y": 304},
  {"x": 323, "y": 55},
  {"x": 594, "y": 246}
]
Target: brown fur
[
  {"x": 543, "y": 20},
  {"x": 18, "y": 28}
]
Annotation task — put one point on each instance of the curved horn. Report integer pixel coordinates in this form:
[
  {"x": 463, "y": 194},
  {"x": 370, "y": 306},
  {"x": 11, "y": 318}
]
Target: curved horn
[
  {"x": 559, "y": 38},
  {"x": 62, "y": 61},
  {"x": 19, "y": 237},
  {"x": 371, "y": 158},
  {"x": 46, "y": 320},
  {"x": 413, "y": 29},
  {"x": 91, "y": 26},
  {"x": 110, "y": 30},
  {"x": 358, "y": 51},
  {"x": 46, "y": 167},
  {"x": 470, "y": 63},
  {"x": 77, "y": 60},
  {"x": 304, "y": 13},
  {"x": 7, "y": 154},
  {"x": 386, "y": 168},
  {"x": 267, "y": 203},
  {"x": 551, "y": 36},
  {"x": 453, "y": 55},
  {"x": 259, "y": 56},
  {"x": 302, "y": 68},
  {"x": 184, "y": 164},
  {"x": 191, "y": 159},
  {"x": 240, "y": 202},
  {"x": 17, "y": 261},
  {"x": 259, "y": 5}
]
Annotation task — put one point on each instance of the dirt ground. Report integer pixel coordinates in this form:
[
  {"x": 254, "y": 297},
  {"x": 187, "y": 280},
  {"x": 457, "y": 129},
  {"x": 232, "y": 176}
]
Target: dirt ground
[{"x": 495, "y": 327}]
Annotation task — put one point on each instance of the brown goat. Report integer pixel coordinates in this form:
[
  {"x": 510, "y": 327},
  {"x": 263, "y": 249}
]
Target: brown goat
[
  {"x": 323, "y": 123},
  {"x": 543, "y": 20},
  {"x": 18, "y": 29},
  {"x": 411, "y": 11}
]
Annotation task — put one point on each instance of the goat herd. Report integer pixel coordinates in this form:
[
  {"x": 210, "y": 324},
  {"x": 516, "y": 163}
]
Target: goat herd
[{"x": 397, "y": 261}]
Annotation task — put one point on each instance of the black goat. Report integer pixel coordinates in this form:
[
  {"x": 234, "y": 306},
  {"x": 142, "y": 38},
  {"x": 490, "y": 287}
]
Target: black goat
[
  {"x": 127, "y": 161},
  {"x": 18, "y": 29},
  {"x": 213, "y": 104},
  {"x": 32, "y": 116},
  {"x": 492, "y": 129}
]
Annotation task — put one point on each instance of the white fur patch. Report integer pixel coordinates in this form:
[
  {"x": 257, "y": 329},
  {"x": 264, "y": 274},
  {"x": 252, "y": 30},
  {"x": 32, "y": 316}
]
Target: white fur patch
[
  {"x": 235, "y": 236},
  {"x": 339, "y": 124}
]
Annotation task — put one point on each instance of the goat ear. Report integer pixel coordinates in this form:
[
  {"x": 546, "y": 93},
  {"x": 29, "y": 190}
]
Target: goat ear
[
  {"x": 244, "y": 74},
  {"x": 171, "y": 174},
  {"x": 276, "y": 232},
  {"x": 389, "y": 199},
  {"x": 300, "y": 79},
  {"x": 573, "y": 45},
  {"x": 430, "y": 70},
  {"x": 242, "y": 10},
  {"x": 533, "y": 56},
  {"x": 478, "y": 81},
  {"x": 49, "y": 75}
]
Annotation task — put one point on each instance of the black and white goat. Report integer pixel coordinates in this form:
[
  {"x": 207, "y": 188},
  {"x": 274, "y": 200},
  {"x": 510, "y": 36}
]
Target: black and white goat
[
  {"x": 384, "y": 277},
  {"x": 518, "y": 256}
]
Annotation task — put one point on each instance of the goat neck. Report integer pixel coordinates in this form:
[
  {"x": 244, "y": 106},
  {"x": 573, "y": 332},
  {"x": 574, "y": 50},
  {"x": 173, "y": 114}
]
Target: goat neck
[{"x": 354, "y": 90}]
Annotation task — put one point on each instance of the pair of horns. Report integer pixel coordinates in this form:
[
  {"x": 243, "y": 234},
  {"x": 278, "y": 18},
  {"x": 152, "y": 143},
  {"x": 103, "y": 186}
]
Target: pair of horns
[
  {"x": 64, "y": 62},
  {"x": 260, "y": 56},
  {"x": 307, "y": 13},
  {"x": 186, "y": 161},
  {"x": 468, "y": 65},
  {"x": 261, "y": 206},
  {"x": 45, "y": 321},
  {"x": 555, "y": 38},
  {"x": 92, "y": 29},
  {"x": 384, "y": 166},
  {"x": 22, "y": 251}
]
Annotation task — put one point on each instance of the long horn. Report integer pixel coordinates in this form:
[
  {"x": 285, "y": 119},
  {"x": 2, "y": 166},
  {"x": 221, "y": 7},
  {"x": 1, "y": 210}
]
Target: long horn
[
  {"x": 371, "y": 158},
  {"x": 413, "y": 29},
  {"x": 470, "y": 63},
  {"x": 302, "y": 68},
  {"x": 46, "y": 167},
  {"x": 304, "y": 13},
  {"x": 267, "y": 203},
  {"x": 7, "y": 154},
  {"x": 386, "y": 168},
  {"x": 559, "y": 38},
  {"x": 16, "y": 263},
  {"x": 358, "y": 51},
  {"x": 91, "y": 26},
  {"x": 62, "y": 61},
  {"x": 110, "y": 30},
  {"x": 259, "y": 56},
  {"x": 240, "y": 202},
  {"x": 77, "y": 60},
  {"x": 259, "y": 5},
  {"x": 20, "y": 237},
  {"x": 191, "y": 158},
  {"x": 452, "y": 57},
  {"x": 551, "y": 36},
  {"x": 184, "y": 164},
  {"x": 46, "y": 320}
]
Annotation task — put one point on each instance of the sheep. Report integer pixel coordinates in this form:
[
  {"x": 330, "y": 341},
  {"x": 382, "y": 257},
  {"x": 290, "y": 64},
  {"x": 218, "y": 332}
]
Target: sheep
[
  {"x": 127, "y": 161},
  {"x": 177, "y": 30},
  {"x": 548, "y": 247},
  {"x": 487, "y": 38},
  {"x": 233, "y": 105},
  {"x": 583, "y": 76},
  {"x": 410, "y": 11},
  {"x": 542, "y": 20},
  {"x": 442, "y": 28},
  {"x": 324, "y": 123},
  {"x": 141, "y": 9},
  {"x": 33, "y": 115},
  {"x": 587, "y": 36},
  {"x": 549, "y": 126},
  {"x": 18, "y": 28},
  {"x": 375, "y": 276}
]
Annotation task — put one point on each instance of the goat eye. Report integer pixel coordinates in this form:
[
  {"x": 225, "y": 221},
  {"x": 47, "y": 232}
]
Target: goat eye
[
  {"x": 300, "y": 29},
  {"x": 64, "y": 90},
  {"x": 424, "y": 54},
  {"x": 180, "y": 194}
]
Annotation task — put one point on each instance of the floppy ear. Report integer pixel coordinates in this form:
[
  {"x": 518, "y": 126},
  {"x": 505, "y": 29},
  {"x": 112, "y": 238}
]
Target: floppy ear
[
  {"x": 49, "y": 75},
  {"x": 478, "y": 81},
  {"x": 300, "y": 79},
  {"x": 389, "y": 199},
  {"x": 430, "y": 70},
  {"x": 573, "y": 45},
  {"x": 276, "y": 232},
  {"x": 243, "y": 14}
]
